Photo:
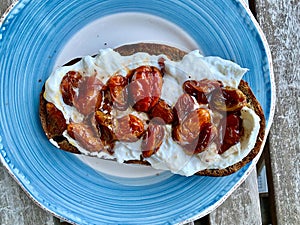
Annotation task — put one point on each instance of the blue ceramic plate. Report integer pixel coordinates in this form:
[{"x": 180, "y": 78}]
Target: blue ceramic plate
[{"x": 37, "y": 36}]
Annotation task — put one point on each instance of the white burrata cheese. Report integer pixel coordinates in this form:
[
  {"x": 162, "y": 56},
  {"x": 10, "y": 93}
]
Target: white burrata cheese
[{"x": 170, "y": 156}]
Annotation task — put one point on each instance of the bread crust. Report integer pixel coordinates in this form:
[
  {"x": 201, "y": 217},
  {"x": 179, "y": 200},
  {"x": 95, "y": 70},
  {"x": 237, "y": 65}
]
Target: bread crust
[{"x": 174, "y": 54}]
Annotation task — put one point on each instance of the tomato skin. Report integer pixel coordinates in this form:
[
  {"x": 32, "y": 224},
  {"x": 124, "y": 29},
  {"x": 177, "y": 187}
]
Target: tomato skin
[
  {"x": 145, "y": 88},
  {"x": 152, "y": 139}
]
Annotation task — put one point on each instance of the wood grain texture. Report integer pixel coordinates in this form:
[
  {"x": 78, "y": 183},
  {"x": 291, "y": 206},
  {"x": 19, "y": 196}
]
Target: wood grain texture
[
  {"x": 242, "y": 207},
  {"x": 4, "y": 4},
  {"x": 16, "y": 208},
  {"x": 280, "y": 21}
]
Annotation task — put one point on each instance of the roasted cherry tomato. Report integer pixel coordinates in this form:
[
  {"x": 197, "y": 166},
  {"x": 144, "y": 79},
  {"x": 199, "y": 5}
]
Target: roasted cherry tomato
[
  {"x": 228, "y": 99},
  {"x": 206, "y": 136},
  {"x": 85, "y": 136},
  {"x": 162, "y": 112},
  {"x": 152, "y": 139},
  {"x": 128, "y": 128},
  {"x": 188, "y": 131},
  {"x": 230, "y": 131},
  {"x": 88, "y": 94},
  {"x": 145, "y": 87},
  {"x": 70, "y": 82},
  {"x": 184, "y": 105},
  {"x": 202, "y": 89},
  {"x": 119, "y": 91}
]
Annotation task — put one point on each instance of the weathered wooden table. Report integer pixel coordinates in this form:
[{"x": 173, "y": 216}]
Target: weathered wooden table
[{"x": 280, "y": 21}]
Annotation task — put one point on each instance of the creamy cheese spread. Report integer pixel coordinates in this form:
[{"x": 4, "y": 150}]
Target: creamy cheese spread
[{"x": 171, "y": 155}]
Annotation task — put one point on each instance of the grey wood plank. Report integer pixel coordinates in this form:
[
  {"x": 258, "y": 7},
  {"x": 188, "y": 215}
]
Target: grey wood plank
[
  {"x": 280, "y": 21},
  {"x": 16, "y": 208},
  {"x": 4, "y": 4},
  {"x": 242, "y": 207}
]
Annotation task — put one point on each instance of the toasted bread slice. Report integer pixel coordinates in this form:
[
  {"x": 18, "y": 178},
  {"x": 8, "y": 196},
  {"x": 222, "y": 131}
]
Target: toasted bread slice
[{"x": 174, "y": 54}]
